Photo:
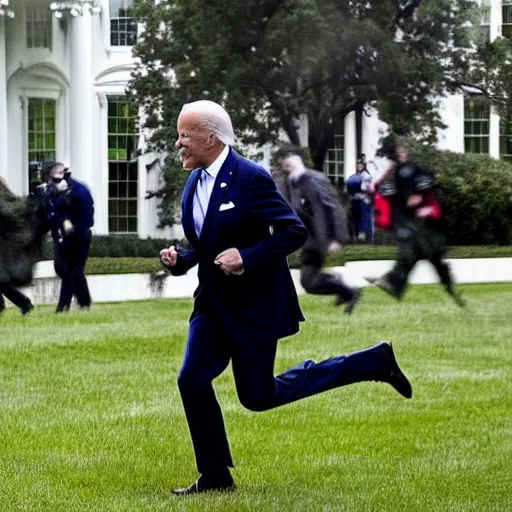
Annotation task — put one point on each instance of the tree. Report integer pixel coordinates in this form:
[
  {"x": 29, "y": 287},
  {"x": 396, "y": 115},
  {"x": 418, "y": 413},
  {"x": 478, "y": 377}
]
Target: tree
[{"x": 269, "y": 61}]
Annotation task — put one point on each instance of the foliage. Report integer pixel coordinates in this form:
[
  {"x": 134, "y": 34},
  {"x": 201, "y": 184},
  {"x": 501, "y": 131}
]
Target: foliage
[
  {"x": 477, "y": 195},
  {"x": 358, "y": 252},
  {"x": 271, "y": 61},
  {"x": 121, "y": 246}
]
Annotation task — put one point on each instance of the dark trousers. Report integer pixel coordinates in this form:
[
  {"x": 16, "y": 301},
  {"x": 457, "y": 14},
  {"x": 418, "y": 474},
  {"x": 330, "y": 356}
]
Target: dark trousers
[
  {"x": 70, "y": 259},
  {"x": 356, "y": 217},
  {"x": 14, "y": 295},
  {"x": 415, "y": 244},
  {"x": 316, "y": 281},
  {"x": 209, "y": 351}
]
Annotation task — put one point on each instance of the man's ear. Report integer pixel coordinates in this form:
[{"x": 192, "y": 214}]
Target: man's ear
[{"x": 212, "y": 140}]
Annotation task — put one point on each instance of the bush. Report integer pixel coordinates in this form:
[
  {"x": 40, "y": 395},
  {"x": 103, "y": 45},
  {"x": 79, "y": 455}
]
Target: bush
[
  {"x": 357, "y": 252},
  {"x": 119, "y": 246},
  {"x": 477, "y": 195}
]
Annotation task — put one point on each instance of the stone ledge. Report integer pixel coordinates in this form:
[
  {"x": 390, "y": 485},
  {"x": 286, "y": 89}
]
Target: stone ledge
[{"x": 131, "y": 287}]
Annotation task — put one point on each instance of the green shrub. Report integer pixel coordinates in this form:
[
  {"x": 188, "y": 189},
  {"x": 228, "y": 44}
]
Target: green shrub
[
  {"x": 477, "y": 195},
  {"x": 119, "y": 246},
  {"x": 358, "y": 252}
]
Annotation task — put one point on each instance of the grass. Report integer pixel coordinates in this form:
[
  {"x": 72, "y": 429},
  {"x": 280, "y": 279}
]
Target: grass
[{"x": 91, "y": 419}]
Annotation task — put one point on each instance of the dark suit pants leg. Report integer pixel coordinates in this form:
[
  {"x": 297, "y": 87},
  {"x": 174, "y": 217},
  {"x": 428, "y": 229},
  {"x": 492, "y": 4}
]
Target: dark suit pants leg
[
  {"x": 259, "y": 390},
  {"x": 14, "y": 295},
  {"x": 315, "y": 281},
  {"x": 63, "y": 270},
  {"x": 81, "y": 288},
  {"x": 207, "y": 356},
  {"x": 407, "y": 257}
]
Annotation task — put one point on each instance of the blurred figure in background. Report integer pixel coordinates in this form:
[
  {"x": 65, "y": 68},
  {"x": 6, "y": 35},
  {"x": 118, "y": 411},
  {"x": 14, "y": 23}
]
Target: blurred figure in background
[
  {"x": 14, "y": 227},
  {"x": 310, "y": 194},
  {"x": 416, "y": 216},
  {"x": 359, "y": 187},
  {"x": 68, "y": 207}
]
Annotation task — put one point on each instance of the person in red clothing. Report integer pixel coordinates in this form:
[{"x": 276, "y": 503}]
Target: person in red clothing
[{"x": 416, "y": 214}]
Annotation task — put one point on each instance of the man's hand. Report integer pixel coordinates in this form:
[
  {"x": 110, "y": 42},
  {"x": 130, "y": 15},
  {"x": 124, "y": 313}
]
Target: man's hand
[
  {"x": 424, "y": 211},
  {"x": 334, "y": 246},
  {"x": 230, "y": 261},
  {"x": 414, "y": 200},
  {"x": 169, "y": 257}
]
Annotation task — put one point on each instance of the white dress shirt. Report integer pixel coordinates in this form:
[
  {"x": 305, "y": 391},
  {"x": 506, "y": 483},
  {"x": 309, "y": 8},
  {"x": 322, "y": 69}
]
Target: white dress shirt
[{"x": 204, "y": 189}]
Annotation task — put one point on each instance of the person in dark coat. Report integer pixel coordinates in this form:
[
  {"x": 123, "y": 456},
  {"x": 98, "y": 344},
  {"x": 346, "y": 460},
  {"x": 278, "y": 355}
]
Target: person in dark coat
[
  {"x": 241, "y": 230},
  {"x": 416, "y": 207},
  {"x": 309, "y": 193},
  {"x": 69, "y": 209}
]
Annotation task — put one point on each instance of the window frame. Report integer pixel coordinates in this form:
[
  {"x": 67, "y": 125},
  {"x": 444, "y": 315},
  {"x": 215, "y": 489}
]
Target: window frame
[{"x": 125, "y": 180}]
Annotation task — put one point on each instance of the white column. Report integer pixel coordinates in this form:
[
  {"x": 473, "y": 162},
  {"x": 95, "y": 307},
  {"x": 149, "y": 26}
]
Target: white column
[
  {"x": 496, "y": 18},
  {"x": 494, "y": 134},
  {"x": 4, "y": 144},
  {"x": 81, "y": 96},
  {"x": 350, "y": 157}
]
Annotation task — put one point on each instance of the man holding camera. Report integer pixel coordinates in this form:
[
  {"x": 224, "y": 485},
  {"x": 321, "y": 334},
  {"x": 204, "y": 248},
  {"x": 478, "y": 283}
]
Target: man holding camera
[{"x": 69, "y": 211}]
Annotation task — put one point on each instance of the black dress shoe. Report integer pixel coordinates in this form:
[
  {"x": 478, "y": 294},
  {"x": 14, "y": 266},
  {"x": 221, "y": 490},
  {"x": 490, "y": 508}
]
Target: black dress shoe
[
  {"x": 27, "y": 308},
  {"x": 384, "y": 285},
  {"x": 394, "y": 375},
  {"x": 356, "y": 297},
  {"x": 208, "y": 484}
]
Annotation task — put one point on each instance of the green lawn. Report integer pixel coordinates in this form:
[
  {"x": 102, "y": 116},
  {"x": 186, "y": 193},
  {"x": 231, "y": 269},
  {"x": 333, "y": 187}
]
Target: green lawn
[{"x": 91, "y": 419}]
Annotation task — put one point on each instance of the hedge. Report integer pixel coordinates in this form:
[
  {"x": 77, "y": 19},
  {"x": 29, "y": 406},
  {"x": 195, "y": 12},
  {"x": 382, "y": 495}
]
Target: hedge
[
  {"x": 476, "y": 192},
  {"x": 350, "y": 253},
  {"x": 119, "y": 246}
]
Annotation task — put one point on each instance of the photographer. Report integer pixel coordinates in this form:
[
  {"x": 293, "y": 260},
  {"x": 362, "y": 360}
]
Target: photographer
[{"x": 68, "y": 208}]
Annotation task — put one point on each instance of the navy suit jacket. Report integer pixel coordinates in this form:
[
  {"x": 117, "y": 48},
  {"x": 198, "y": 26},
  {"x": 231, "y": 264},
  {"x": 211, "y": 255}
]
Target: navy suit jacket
[{"x": 261, "y": 305}]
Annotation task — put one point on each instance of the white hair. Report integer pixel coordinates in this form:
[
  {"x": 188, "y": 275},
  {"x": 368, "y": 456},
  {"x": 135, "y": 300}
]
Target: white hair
[{"x": 215, "y": 118}]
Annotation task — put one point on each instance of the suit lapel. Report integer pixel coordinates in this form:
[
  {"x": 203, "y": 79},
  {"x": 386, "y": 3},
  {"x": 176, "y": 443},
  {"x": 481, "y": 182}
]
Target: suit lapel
[
  {"x": 222, "y": 185},
  {"x": 188, "y": 207}
]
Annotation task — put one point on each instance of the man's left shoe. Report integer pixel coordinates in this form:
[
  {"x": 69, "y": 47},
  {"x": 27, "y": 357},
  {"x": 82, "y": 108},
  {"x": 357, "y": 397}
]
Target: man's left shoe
[
  {"x": 356, "y": 297},
  {"x": 208, "y": 484},
  {"x": 393, "y": 374},
  {"x": 27, "y": 308}
]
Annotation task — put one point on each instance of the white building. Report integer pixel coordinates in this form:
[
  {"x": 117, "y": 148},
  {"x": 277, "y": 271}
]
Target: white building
[
  {"x": 470, "y": 127},
  {"x": 64, "y": 66}
]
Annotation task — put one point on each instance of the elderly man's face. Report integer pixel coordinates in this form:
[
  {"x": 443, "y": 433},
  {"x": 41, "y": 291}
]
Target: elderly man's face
[{"x": 195, "y": 142}]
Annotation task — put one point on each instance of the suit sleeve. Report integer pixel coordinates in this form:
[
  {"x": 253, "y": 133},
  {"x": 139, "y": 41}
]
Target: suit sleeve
[
  {"x": 268, "y": 206},
  {"x": 187, "y": 258}
]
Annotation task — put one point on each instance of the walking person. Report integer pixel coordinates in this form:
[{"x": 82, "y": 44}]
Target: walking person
[
  {"x": 241, "y": 230},
  {"x": 69, "y": 208},
  {"x": 417, "y": 219},
  {"x": 310, "y": 195}
]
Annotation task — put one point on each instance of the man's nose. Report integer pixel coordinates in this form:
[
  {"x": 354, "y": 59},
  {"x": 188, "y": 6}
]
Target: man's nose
[{"x": 178, "y": 143}]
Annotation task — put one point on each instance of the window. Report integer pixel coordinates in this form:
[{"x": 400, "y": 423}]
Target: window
[
  {"x": 39, "y": 26},
  {"x": 123, "y": 29},
  {"x": 506, "y": 140},
  {"x": 485, "y": 20},
  {"x": 506, "y": 12},
  {"x": 41, "y": 136},
  {"x": 476, "y": 125},
  {"x": 333, "y": 164},
  {"x": 122, "y": 165}
]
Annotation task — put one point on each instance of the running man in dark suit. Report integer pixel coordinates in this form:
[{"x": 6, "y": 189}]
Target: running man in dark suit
[
  {"x": 241, "y": 230},
  {"x": 309, "y": 194}
]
